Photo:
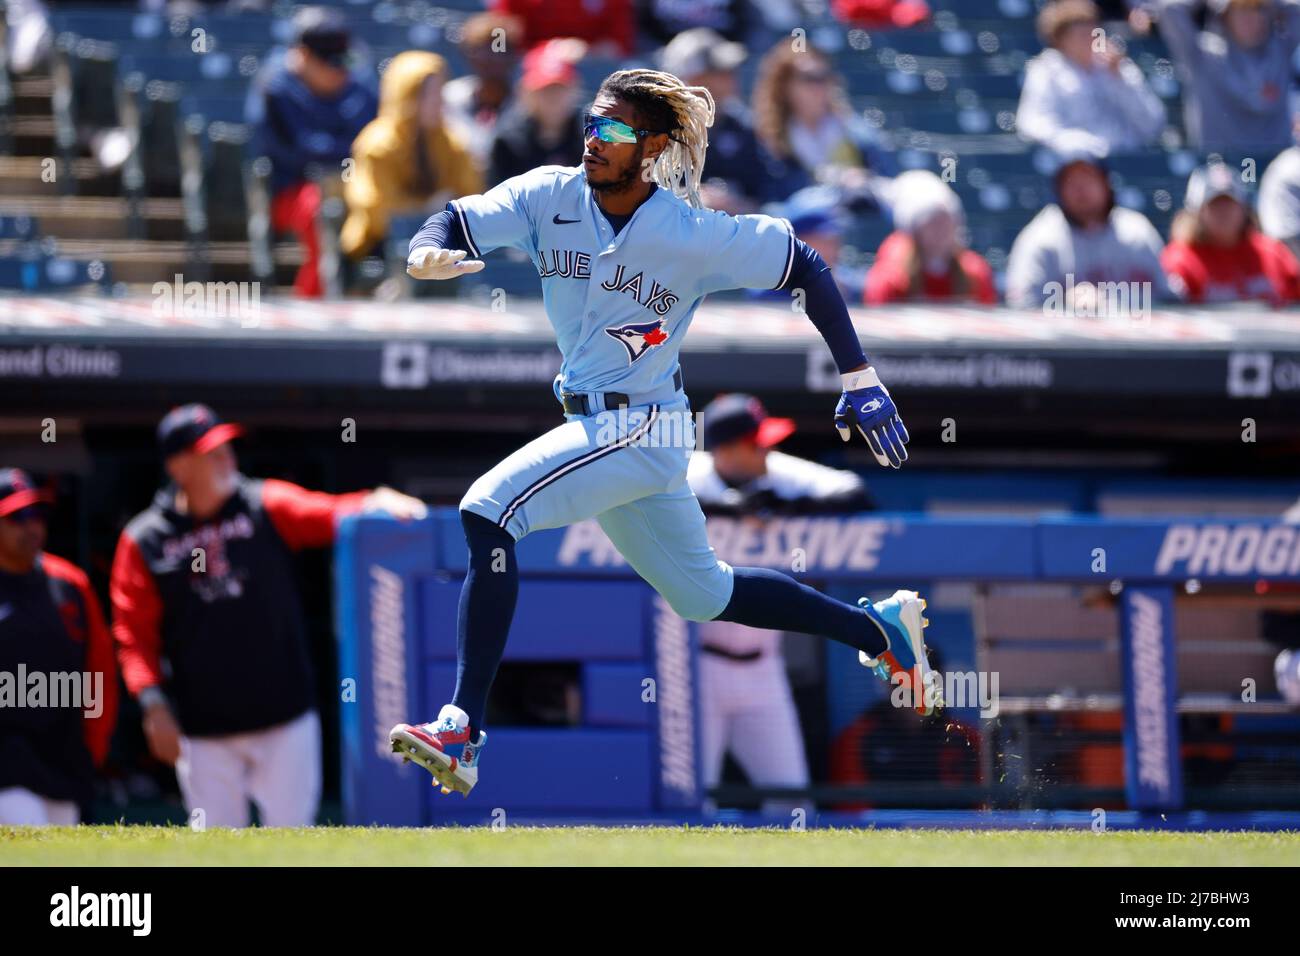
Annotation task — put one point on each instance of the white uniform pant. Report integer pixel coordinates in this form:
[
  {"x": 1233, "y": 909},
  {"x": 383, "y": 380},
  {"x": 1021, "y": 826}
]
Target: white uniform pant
[
  {"x": 278, "y": 768},
  {"x": 20, "y": 807},
  {"x": 746, "y": 709}
]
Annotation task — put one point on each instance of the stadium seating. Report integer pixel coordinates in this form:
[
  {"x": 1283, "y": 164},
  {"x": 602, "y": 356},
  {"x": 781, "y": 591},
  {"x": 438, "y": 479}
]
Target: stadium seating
[{"x": 946, "y": 89}]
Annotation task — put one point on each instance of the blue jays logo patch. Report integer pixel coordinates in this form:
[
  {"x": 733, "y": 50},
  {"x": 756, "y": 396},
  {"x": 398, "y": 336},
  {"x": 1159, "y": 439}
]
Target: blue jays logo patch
[{"x": 639, "y": 337}]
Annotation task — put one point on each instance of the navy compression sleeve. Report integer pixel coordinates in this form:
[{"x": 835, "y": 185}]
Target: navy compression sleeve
[
  {"x": 825, "y": 306},
  {"x": 441, "y": 230}
]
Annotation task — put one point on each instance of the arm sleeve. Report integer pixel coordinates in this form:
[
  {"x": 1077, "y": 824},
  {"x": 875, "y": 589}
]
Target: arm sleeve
[
  {"x": 502, "y": 216},
  {"x": 306, "y": 519},
  {"x": 825, "y": 306},
  {"x": 99, "y": 660},
  {"x": 441, "y": 231},
  {"x": 137, "y": 615}
]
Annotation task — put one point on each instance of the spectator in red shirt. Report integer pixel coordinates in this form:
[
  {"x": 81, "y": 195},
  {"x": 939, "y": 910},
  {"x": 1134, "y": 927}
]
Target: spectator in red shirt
[
  {"x": 203, "y": 578},
  {"x": 1216, "y": 251},
  {"x": 608, "y": 26},
  {"x": 52, "y": 634},
  {"x": 924, "y": 258}
]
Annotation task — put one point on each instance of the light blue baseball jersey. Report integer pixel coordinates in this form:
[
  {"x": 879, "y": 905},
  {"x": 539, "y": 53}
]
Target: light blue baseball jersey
[{"x": 621, "y": 305}]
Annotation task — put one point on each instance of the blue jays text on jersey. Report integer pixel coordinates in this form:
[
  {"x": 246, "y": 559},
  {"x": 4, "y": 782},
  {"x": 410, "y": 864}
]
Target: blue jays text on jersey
[{"x": 621, "y": 304}]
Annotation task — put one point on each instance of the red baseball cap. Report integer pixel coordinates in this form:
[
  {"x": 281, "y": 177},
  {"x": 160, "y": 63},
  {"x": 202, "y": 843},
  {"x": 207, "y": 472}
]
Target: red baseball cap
[
  {"x": 194, "y": 427},
  {"x": 549, "y": 63},
  {"x": 729, "y": 417},
  {"x": 18, "y": 491}
]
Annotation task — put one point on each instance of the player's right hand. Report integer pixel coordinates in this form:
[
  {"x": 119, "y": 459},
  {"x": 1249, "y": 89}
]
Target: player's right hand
[
  {"x": 430, "y": 262},
  {"x": 162, "y": 733}
]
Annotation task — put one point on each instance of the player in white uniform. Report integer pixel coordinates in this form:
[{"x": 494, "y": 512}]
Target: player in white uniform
[
  {"x": 626, "y": 253},
  {"x": 746, "y": 705}
]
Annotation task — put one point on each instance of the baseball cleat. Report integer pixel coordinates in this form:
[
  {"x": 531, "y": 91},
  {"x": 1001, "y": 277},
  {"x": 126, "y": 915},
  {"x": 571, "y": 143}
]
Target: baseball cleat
[
  {"x": 443, "y": 748},
  {"x": 901, "y": 621}
]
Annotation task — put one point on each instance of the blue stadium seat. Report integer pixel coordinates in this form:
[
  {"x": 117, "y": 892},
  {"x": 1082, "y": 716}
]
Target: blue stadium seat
[
  {"x": 51, "y": 274},
  {"x": 19, "y": 227}
]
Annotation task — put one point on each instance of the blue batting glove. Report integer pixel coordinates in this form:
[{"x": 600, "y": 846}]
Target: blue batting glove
[{"x": 865, "y": 405}]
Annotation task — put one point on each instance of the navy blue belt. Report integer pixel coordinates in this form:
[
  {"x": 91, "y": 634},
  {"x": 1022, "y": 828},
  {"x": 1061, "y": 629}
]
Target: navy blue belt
[{"x": 579, "y": 403}]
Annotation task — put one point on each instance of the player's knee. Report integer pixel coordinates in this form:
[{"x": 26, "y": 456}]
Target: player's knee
[
  {"x": 484, "y": 536},
  {"x": 699, "y": 598}
]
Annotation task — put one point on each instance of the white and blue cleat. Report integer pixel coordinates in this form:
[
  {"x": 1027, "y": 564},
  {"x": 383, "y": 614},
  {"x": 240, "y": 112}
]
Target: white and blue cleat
[{"x": 902, "y": 623}]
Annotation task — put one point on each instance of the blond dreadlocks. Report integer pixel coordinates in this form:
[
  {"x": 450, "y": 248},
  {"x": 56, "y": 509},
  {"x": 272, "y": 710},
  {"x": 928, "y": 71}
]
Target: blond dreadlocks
[{"x": 684, "y": 112}]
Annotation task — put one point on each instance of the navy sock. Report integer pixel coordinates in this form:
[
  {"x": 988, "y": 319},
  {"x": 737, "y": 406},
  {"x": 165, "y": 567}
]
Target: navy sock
[
  {"x": 777, "y": 602},
  {"x": 487, "y": 605}
]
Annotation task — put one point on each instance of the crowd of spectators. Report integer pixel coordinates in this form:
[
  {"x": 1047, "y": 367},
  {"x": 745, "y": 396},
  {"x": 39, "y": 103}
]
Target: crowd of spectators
[{"x": 797, "y": 148}]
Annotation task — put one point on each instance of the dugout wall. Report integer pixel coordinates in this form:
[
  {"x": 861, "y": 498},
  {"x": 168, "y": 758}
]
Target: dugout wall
[{"x": 630, "y": 753}]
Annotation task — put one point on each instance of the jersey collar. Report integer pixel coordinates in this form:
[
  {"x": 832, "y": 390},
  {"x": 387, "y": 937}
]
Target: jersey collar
[{"x": 604, "y": 231}]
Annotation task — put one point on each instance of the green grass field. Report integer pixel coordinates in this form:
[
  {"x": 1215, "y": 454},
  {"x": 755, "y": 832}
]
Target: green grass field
[{"x": 639, "y": 846}]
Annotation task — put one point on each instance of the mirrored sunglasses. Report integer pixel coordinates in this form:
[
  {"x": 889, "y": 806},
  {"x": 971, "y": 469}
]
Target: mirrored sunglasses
[{"x": 610, "y": 130}]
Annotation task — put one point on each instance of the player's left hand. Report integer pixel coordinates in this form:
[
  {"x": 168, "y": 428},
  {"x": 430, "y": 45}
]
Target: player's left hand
[
  {"x": 865, "y": 405},
  {"x": 394, "y": 503}
]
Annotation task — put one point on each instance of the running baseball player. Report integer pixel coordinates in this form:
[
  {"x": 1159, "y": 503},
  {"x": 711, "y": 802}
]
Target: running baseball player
[{"x": 626, "y": 252}]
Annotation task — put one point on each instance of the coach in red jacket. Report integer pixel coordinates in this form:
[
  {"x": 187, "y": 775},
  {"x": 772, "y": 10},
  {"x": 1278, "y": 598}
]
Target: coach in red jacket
[
  {"x": 58, "y": 685},
  {"x": 210, "y": 630}
]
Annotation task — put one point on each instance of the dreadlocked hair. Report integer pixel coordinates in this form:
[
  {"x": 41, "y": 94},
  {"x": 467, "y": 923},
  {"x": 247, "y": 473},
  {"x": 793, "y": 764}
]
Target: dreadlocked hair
[{"x": 684, "y": 112}]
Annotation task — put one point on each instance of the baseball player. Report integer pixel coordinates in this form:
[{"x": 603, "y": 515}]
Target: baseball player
[
  {"x": 626, "y": 253},
  {"x": 203, "y": 579},
  {"x": 51, "y": 628},
  {"x": 746, "y": 706}
]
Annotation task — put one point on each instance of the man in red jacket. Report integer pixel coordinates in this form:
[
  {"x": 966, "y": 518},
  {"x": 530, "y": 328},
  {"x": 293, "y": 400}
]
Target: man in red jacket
[
  {"x": 58, "y": 686},
  {"x": 203, "y": 580}
]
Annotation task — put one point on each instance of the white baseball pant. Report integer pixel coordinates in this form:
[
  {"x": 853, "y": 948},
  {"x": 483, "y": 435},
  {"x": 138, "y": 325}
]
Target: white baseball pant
[
  {"x": 20, "y": 807},
  {"x": 279, "y": 769},
  {"x": 747, "y": 709}
]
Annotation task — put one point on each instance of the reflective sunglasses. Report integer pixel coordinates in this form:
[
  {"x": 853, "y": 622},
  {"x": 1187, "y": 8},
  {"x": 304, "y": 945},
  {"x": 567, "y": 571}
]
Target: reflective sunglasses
[{"x": 611, "y": 130}]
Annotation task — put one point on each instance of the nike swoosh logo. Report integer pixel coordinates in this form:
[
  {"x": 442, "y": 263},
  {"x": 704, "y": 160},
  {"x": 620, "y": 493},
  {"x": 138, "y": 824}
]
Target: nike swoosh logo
[{"x": 563, "y": 222}]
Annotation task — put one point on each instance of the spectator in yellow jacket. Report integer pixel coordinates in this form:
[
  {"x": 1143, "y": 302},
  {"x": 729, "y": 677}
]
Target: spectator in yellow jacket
[{"x": 406, "y": 160}]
